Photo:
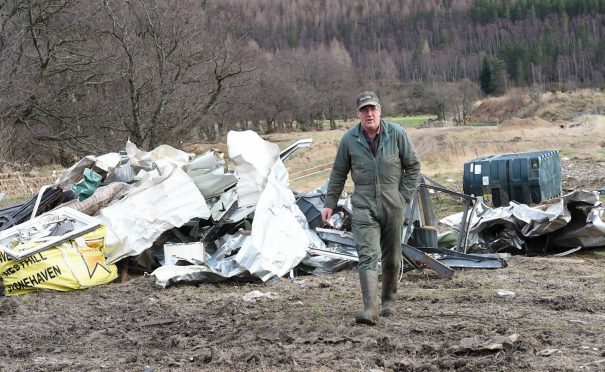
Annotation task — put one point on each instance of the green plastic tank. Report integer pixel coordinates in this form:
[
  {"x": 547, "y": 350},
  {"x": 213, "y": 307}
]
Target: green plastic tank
[{"x": 527, "y": 177}]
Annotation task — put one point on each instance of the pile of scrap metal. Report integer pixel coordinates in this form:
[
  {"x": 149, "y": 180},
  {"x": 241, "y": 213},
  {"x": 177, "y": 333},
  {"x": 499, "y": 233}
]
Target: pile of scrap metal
[
  {"x": 450, "y": 247},
  {"x": 558, "y": 226},
  {"x": 191, "y": 219},
  {"x": 420, "y": 247},
  {"x": 186, "y": 217}
]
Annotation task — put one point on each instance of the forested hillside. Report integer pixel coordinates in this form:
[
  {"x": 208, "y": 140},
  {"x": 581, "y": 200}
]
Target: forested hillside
[
  {"x": 540, "y": 41},
  {"x": 81, "y": 76}
]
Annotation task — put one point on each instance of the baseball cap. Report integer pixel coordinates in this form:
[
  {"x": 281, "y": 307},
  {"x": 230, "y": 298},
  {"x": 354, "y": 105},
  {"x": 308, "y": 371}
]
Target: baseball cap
[{"x": 367, "y": 98}]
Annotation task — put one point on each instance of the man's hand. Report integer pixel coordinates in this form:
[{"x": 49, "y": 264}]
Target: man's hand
[{"x": 325, "y": 215}]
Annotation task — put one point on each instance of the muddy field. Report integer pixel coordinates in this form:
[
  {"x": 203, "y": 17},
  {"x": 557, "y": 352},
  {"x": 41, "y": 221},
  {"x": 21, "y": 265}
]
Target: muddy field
[{"x": 554, "y": 319}]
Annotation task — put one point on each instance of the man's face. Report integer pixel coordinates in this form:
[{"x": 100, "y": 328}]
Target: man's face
[{"x": 369, "y": 116}]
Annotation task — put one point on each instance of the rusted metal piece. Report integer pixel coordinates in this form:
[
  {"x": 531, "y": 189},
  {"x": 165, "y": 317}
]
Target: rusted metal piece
[
  {"x": 420, "y": 259},
  {"x": 470, "y": 205}
]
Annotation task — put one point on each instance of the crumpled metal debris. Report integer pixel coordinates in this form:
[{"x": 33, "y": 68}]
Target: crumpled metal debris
[
  {"x": 101, "y": 198},
  {"x": 156, "y": 204},
  {"x": 208, "y": 173},
  {"x": 45, "y": 231},
  {"x": 235, "y": 224},
  {"x": 571, "y": 221},
  {"x": 278, "y": 240},
  {"x": 46, "y": 200}
]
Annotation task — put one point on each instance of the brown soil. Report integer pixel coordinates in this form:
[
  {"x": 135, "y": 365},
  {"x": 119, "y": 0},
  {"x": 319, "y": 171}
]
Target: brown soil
[
  {"x": 579, "y": 173},
  {"x": 554, "y": 321},
  {"x": 501, "y": 107}
]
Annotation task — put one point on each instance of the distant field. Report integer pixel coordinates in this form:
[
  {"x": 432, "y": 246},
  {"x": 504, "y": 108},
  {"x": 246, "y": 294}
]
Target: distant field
[
  {"x": 443, "y": 151},
  {"x": 410, "y": 121}
]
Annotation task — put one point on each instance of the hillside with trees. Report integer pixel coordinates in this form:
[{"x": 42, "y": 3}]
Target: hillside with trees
[{"x": 81, "y": 76}]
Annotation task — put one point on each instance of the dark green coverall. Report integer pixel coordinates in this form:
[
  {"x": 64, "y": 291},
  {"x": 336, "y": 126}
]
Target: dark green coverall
[{"x": 383, "y": 183}]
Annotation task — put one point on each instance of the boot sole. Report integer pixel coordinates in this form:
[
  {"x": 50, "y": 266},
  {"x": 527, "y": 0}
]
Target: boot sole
[{"x": 367, "y": 321}]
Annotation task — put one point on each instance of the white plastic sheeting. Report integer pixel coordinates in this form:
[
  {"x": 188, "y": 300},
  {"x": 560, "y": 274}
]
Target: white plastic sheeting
[
  {"x": 156, "y": 204},
  {"x": 254, "y": 158},
  {"x": 161, "y": 156},
  {"x": 278, "y": 240}
]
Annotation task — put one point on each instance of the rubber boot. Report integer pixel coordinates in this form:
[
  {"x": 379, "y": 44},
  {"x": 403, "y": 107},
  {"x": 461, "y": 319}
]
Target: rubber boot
[
  {"x": 389, "y": 289},
  {"x": 369, "y": 290}
]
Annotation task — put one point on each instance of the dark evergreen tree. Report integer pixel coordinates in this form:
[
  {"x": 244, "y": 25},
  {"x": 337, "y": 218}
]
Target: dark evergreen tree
[
  {"x": 485, "y": 77},
  {"x": 498, "y": 81}
]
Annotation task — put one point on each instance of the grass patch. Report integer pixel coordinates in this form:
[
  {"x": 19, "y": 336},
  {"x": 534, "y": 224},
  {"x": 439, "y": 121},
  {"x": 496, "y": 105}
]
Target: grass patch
[
  {"x": 595, "y": 254},
  {"x": 410, "y": 121},
  {"x": 318, "y": 310},
  {"x": 567, "y": 153},
  {"x": 340, "y": 123},
  {"x": 479, "y": 123},
  {"x": 445, "y": 206},
  {"x": 406, "y": 121},
  {"x": 13, "y": 200}
]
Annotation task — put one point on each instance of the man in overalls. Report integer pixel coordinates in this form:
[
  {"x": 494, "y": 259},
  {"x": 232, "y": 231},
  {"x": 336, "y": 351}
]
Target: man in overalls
[{"x": 384, "y": 168}]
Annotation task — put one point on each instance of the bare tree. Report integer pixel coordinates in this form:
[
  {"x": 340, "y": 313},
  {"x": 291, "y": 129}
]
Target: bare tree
[
  {"x": 169, "y": 70},
  {"x": 439, "y": 97},
  {"x": 468, "y": 92},
  {"x": 47, "y": 72},
  {"x": 324, "y": 82},
  {"x": 79, "y": 77}
]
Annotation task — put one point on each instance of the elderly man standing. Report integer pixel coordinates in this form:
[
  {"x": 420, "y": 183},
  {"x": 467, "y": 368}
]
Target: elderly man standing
[{"x": 384, "y": 168}]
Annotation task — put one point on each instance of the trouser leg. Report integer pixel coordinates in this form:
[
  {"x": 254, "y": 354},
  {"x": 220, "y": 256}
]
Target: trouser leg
[
  {"x": 391, "y": 262},
  {"x": 366, "y": 233}
]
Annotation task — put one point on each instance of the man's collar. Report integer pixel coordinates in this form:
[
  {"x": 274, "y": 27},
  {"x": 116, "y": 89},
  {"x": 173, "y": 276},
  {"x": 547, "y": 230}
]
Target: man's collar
[{"x": 366, "y": 133}]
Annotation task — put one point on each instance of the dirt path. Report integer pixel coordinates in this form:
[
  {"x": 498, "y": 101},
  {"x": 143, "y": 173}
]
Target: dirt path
[{"x": 558, "y": 309}]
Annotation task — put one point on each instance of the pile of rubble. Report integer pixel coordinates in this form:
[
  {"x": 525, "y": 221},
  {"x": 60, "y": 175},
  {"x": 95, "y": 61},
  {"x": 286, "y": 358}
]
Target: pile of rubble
[
  {"x": 191, "y": 219},
  {"x": 159, "y": 208}
]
